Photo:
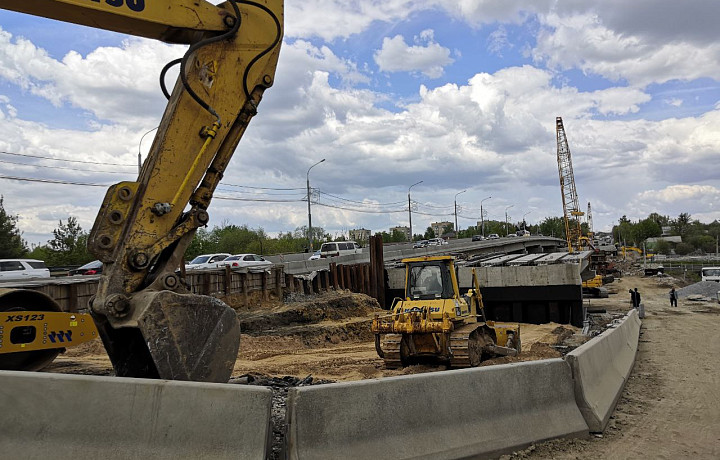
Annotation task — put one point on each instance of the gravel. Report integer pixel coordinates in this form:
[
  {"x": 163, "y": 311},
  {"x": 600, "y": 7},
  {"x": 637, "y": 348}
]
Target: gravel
[{"x": 703, "y": 288}]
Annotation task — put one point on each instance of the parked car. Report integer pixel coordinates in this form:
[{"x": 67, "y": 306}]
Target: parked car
[
  {"x": 339, "y": 248},
  {"x": 22, "y": 269},
  {"x": 206, "y": 261},
  {"x": 91, "y": 268},
  {"x": 420, "y": 244},
  {"x": 493, "y": 236},
  {"x": 510, "y": 235},
  {"x": 244, "y": 260},
  {"x": 478, "y": 237},
  {"x": 315, "y": 256}
]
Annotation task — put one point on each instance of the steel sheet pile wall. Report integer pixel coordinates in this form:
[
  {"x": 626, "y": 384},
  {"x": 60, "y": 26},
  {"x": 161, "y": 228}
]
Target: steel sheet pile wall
[
  {"x": 600, "y": 369},
  {"x": 448, "y": 415},
  {"x": 74, "y": 416}
]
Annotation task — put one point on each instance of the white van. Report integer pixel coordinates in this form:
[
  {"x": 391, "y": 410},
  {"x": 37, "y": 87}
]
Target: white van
[
  {"x": 22, "y": 269},
  {"x": 710, "y": 274},
  {"x": 339, "y": 248}
]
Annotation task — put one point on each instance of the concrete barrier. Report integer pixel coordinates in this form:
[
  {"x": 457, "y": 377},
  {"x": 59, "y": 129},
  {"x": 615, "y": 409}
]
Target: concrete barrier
[
  {"x": 600, "y": 369},
  {"x": 74, "y": 416},
  {"x": 466, "y": 413}
]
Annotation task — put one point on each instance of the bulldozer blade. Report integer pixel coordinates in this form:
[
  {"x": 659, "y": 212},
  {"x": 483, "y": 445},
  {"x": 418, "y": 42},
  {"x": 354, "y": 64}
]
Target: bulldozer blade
[{"x": 178, "y": 337}]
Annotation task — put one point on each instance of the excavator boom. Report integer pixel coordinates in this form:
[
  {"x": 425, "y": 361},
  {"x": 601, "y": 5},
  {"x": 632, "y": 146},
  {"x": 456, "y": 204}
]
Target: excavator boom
[{"x": 150, "y": 324}]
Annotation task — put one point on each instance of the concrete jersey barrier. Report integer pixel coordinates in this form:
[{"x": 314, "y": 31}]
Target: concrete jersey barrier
[
  {"x": 600, "y": 369},
  {"x": 62, "y": 416},
  {"x": 466, "y": 413}
]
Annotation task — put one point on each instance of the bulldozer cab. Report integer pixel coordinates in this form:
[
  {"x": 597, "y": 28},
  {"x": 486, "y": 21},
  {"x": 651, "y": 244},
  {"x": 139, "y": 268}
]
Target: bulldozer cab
[{"x": 430, "y": 278}]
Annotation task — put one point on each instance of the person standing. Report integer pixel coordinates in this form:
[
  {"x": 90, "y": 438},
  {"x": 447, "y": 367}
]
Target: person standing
[
  {"x": 673, "y": 298},
  {"x": 637, "y": 298},
  {"x": 632, "y": 298}
]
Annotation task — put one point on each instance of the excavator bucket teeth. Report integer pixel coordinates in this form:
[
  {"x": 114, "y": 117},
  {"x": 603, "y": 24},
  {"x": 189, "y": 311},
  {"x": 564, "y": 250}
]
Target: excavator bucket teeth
[{"x": 178, "y": 337}]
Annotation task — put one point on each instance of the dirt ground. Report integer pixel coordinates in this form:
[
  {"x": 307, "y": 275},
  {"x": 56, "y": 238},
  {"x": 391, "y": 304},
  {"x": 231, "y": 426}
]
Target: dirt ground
[
  {"x": 324, "y": 336},
  {"x": 669, "y": 409}
]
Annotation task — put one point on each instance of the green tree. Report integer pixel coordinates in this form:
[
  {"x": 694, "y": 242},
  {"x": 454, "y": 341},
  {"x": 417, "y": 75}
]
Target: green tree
[
  {"x": 681, "y": 224},
  {"x": 429, "y": 233},
  {"x": 69, "y": 245},
  {"x": 553, "y": 226},
  {"x": 662, "y": 247},
  {"x": 12, "y": 246}
]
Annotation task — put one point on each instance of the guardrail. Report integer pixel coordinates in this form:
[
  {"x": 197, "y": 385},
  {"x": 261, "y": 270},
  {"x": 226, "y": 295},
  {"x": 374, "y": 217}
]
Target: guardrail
[{"x": 457, "y": 414}]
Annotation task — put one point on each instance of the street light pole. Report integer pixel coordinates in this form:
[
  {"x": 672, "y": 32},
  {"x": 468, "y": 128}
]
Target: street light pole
[
  {"x": 457, "y": 230},
  {"x": 482, "y": 215},
  {"x": 410, "y": 208},
  {"x": 524, "y": 218},
  {"x": 506, "y": 219},
  {"x": 310, "y": 238},
  {"x": 139, "y": 145}
]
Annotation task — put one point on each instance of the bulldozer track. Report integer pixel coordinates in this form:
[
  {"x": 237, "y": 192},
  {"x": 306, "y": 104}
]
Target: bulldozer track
[
  {"x": 391, "y": 349},
  {"x": 466, "y": 346}
]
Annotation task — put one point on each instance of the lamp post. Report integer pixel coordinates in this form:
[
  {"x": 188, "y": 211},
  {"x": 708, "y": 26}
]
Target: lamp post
[
  {"x": 482, "y": 215},
  {"x": 506, "y": 219},
  {"x": 457, "y": 230},
  {"x": 310, "y": 238},
  {"x": 410, "y": 208},
  {"x": 524, "y": 218},
  {"x": 139, "y": 145}
]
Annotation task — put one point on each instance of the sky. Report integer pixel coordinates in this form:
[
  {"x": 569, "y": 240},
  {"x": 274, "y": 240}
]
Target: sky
[{"x": 460, "y": 95}]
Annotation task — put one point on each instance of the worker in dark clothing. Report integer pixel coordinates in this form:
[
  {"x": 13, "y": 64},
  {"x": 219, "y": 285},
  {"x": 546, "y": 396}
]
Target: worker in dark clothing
[
  {"x": 673, "y": 298},
  {"x": 637, "y": 298},
  {"x": 632, "y": 298}
]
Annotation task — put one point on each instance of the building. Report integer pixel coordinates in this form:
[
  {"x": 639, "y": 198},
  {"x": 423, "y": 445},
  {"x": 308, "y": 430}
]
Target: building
[
  {"x": 439, "y": 228},
  {"x": 402, "y": 229},
  {"x": 360, "y": 235}
]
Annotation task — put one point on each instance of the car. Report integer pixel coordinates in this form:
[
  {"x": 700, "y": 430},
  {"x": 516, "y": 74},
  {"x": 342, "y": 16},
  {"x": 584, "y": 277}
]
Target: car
[
  {"x": 510, "y": 235},
  {"x": 244, "y": 260},
  {"x": 437, "y": 242},
  {"x": 22, "y": 269},
  {"x": 206, "y": 261},
  {"x": 421, "y": 244},
  {"x": 478, "y": 237},
  {"x": 522, "y": 233},
  {"x": 493, "y": 236},
  {"x": 91, "y": 268},
  {"x": 339, "y": 248},
  {"x": 315, "y": 256}
]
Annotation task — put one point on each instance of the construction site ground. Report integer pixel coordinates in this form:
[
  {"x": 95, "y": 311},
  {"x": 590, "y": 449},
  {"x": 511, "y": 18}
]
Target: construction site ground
[{"x": 669, "y": 408}]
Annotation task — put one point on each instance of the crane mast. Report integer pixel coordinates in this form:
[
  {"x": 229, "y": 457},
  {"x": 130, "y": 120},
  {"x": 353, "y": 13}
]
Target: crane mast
[{"x": 571, "y": 205}]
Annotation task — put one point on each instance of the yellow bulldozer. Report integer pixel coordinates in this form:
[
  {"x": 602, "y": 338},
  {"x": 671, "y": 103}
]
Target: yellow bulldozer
[{"x": 435, "y": 322}]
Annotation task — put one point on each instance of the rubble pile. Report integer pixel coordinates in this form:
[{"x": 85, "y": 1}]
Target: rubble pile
[{"x": 702, "y": 291}]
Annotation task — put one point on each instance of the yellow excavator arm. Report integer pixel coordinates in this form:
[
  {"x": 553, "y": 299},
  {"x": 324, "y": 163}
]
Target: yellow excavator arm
[{"x": 150, "y": 324}]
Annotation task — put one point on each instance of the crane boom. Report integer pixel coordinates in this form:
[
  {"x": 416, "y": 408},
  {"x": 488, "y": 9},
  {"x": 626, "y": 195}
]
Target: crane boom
[{"x": 571, "y": 205}]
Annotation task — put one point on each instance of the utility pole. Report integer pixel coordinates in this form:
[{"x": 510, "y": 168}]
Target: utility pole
[
  {"x": 310, "y": 237},
  {"x": 457, "y": 230},
  {"x": 506, "y": 219},
  {"x": 410, "y": 208},
  {"x": 482, "y": 215}
]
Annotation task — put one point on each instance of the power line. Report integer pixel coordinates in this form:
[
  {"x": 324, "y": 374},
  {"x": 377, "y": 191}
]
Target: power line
[
  {"x": 63, "y": 167},
  {"x": 63, "y": 159},
  {"x": 52, "y": 181}
]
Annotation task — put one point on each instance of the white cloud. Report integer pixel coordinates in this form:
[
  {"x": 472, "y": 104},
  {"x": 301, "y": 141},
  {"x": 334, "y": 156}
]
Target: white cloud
[
  {"x": 583, "y": 41},
  {"x": 427, "y": 57}
]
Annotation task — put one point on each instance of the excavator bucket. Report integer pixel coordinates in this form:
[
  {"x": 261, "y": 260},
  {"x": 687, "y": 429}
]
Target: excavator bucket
[{"x": 177, "y": 337}]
